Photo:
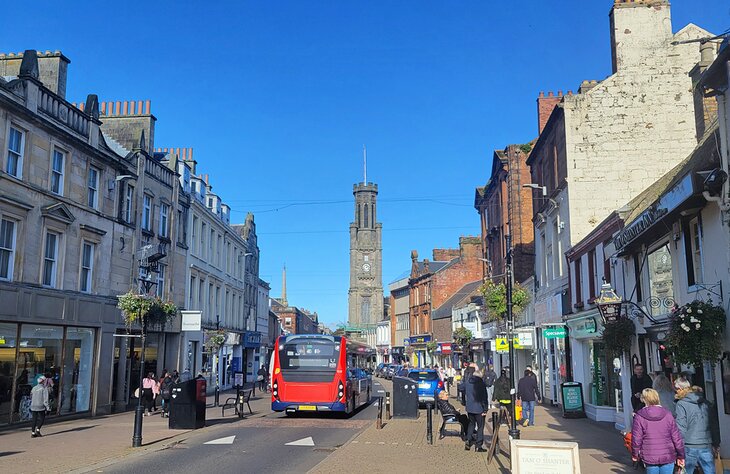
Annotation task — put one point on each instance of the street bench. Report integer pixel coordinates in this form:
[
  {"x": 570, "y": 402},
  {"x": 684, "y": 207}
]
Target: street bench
[
  {"x": 447, "y": 421},
  {"x": 243, "y": 397}
]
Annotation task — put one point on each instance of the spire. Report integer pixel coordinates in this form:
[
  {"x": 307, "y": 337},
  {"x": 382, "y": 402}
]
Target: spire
[
  {"x": 283, "y": 288},
  {"x": 365, "y": 164}
]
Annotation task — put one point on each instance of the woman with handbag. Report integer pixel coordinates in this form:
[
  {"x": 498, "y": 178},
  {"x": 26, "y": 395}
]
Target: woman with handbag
[{"x": 655, "y": 437}]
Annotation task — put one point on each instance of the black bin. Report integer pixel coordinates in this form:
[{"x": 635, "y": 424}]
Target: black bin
[
  {"x": 187, "y": 405},
  {"x": 405, "y": 398}
]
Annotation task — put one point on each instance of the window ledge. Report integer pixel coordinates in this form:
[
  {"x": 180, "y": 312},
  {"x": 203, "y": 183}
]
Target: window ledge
[
  {"x": 579, "y": 305},
  {"x": 148, "y": 233}
]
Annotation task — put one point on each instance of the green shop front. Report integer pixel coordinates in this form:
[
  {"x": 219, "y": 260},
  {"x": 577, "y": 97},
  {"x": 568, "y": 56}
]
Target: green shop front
[{"x": 602, "y": 376}]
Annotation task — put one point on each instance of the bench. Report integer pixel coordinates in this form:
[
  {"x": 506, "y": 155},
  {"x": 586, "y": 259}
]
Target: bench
[
  {"x": 449, "y": 420},
  {"x": 243, "y": 397}
]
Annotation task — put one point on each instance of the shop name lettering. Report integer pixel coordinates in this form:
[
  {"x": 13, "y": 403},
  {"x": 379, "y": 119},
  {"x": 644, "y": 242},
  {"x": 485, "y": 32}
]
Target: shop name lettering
[{"x": 646, "y": 220}]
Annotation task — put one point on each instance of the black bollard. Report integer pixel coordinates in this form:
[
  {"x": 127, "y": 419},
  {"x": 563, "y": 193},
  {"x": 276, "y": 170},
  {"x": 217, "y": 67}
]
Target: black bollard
[
  {"x": 217, "y": 395},
  {"x": 387, "y": 405},
  {"x": 379, "y": 424},
  {"x": 429, "y": 423}
]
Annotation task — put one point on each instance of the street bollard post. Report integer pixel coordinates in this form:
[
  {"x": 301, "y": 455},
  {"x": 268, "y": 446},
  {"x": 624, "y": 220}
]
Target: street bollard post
[
  {"x": 217, "y": 395},
  {"x": 379, "y": 424},
  {"x": 429, "y": 423},
  {"x": 387, "y": 405}
]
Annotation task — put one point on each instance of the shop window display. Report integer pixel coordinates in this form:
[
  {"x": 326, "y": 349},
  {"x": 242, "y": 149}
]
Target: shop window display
[
  {"x": 39, "y": 353},
  {"x": 605, "y": 378},
  {"x": 8, "y": 339},
  {"x": 77, "y": 369}
]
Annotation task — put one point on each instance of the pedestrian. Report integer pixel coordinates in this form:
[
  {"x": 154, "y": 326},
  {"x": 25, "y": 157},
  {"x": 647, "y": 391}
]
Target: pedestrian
[
  {"x": 655, "y": 436},
  {"x": 148, "y": 393},
  {"x": 175, "y": 376},
  {"x": 698, "y": 425},
  {"x": 450, "y": 374},
  {"x": 639, "y": 381},
  {"x": 475, "y": 394},
  {"x": 447, "y": 409},
  {"x": 664, "y": 388},
  {"x": 262, "y": 376},
  {"x": 490, "y": 376},
  {"x": 501, "y": 395},
  {"x": 39, "y": 405},
  {"x": 166, "y": 393},
  {"x": 528, "y": 392}
]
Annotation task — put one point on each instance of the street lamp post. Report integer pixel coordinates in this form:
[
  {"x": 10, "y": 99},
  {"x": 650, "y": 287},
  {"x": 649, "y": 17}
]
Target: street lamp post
[
  {"x": 513, "y": 431},
  {"x": 145, "y": 269}
]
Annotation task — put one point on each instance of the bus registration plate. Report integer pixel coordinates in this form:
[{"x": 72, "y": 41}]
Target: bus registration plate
[{"x": 307, "y": 408}]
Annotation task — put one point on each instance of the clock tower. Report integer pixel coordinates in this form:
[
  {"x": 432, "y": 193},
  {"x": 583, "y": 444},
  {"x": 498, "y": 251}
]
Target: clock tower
[{"x": 365, "y": 298}]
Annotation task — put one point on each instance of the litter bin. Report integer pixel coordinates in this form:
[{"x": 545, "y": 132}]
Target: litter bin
[
  {"x": 187, "y": 405},
  {"x": 405, "y": 398}
]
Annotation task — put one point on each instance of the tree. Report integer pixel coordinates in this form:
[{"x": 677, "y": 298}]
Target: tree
[{"x": 463, "y": 336}]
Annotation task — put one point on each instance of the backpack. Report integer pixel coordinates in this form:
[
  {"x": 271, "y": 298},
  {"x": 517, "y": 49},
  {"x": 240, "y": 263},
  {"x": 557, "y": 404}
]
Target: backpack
[{"x": 165, "y": 390}]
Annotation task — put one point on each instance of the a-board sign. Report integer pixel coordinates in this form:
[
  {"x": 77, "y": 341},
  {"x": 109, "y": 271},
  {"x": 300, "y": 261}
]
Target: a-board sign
[
  {"x": 544, "y": 457},
  {"x": 572, "y": 396}
]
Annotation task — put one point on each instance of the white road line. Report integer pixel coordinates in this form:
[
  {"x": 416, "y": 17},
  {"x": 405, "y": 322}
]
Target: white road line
[
  {"x": 226, "y": 440},
  {"x": 308, "y": 441}
]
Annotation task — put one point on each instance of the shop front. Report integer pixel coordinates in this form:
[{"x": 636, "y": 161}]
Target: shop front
[
  {"x": 420, "y": 357},
  {"x": 64, "y": 354},
  {"x": 555, "y": 364},
  {"x": 602, "y": 375},
  {"x": 251, "y": 358},
  {"x": 443, "y": 354}
]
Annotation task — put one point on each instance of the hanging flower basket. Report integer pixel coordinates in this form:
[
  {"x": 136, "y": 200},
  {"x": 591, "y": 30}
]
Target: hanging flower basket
[
  {"x": 617, "y": 337},
  {"x": 145, "y": 310},
  {"x": 214, "y": 340},
  {"x": 696, "y": 333},
  {"x": 495, "y": 299},
  {"x": 431, "y": 346},
  {"x": 463, "y": 336}
]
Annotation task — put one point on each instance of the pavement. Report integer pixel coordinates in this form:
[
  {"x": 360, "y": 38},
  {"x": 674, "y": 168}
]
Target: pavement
[
  {"x": 403, "y": 443},
  {"x": 80, "y": 445}
]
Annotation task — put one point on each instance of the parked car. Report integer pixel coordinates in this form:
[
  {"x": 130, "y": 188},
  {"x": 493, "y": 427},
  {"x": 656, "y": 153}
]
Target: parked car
[
  {"x": 379, "y": 369},
  {"x": 401, "y": 371},
  {"x": 391, "y": 368},
  {"x": 429, "y": 384}
]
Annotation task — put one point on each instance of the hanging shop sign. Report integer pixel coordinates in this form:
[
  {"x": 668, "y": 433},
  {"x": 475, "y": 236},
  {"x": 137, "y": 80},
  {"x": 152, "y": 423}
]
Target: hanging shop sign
[
  {"x": 554, "y": 333},
  {"x": 444, "y": 348},
  {"x": 190, "y": 320}
]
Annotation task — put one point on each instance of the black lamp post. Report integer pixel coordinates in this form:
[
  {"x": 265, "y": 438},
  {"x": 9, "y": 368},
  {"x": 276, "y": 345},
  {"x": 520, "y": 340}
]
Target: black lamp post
[
  {"x": 514, "y": 432},
  {"x": 146, "y": 267}
]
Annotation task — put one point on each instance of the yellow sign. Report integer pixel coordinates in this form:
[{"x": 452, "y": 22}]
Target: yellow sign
[{"x": 501, "y": 344}]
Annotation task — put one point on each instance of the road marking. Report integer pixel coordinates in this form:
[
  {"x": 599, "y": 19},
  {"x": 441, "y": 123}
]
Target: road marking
[
  {"x": 308, "y": 441},
  {"x": 226, "y": 440}
]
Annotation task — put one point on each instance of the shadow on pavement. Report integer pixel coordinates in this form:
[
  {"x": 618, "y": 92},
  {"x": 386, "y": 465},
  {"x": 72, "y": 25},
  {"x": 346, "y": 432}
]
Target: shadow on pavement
[
  {"x": 10, "y": 453},
  {"x": 71, "y": 430}
]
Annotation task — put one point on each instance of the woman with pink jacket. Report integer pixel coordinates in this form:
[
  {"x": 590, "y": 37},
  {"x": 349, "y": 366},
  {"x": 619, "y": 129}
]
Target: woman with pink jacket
[{"x": 655, "y": 437}]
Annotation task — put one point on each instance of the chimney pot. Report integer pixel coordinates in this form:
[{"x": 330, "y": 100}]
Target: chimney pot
[
  {"x": 125, "y": 108},
  {"x": 550, "y": 94},
  {"x": 117, "y": 107},
  {"x": 147, "y": 107}
]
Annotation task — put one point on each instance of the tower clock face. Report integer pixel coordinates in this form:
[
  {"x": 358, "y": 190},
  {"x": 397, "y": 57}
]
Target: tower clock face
[{"x": 366, "y": 267}]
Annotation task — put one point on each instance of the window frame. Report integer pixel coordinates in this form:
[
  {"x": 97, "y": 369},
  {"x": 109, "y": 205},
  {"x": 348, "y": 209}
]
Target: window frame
[
  {"x": 129, "y": 204},
  {"x": 94, "y": 189},
  {"x": 53, "y": 283},
  {"x": 164, "y": 225},
  {"x": 21, "y": 153},
  {"x": 60, "y": 173},
  {"x": 578, "y": 267},
  {"x": 160, "y": 290},
  {"x": 11, "y": 250},
  {"x": 694, "y": 252},
  {"x": 146, "y": 223},
  {"x": 89, "y": 279}
]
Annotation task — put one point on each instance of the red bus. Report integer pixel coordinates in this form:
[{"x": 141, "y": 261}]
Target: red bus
[{"x": 319, "y": 373}]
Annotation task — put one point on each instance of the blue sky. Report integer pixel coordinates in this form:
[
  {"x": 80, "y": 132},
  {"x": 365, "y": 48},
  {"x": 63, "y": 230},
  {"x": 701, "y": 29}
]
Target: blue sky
[{"x": 278, "y": 97}]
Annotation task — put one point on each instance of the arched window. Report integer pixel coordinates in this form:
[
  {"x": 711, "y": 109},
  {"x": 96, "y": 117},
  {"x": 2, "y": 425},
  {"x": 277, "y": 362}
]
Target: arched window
[
  {"x": 359, "y": 221},
  {"x": 366, "y": 216}
]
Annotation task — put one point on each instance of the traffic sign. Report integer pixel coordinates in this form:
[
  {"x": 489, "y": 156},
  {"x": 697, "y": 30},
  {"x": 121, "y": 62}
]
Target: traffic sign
[{"x": 554, "y": 333}]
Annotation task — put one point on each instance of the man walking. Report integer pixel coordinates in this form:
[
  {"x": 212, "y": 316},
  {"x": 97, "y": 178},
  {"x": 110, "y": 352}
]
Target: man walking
[
  {"x": 475, "y": 393},
  {"x": 639, "y": 381},
  {"x": 490, "y": 376},
  {"x": 528, "y": 392}
]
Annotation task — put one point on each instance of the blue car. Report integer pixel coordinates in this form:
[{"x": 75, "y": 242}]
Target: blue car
[{"x": 429, "y": 384}]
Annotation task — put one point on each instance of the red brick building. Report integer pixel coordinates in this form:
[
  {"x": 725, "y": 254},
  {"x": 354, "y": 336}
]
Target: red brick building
[
  {"x": 431, "y": 283},
  {"x": 505, "y": 207}
]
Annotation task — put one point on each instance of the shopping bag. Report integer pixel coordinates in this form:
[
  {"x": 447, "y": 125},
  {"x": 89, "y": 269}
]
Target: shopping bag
[
  {"x": 136, "y": 392},
  {"x": 719, "y": 468},
  {"x": 518, "y": 410}
]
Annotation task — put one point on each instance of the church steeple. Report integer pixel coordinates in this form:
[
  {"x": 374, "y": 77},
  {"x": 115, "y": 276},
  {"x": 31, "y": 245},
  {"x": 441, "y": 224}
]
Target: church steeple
[{"x": 283, "y": 287}]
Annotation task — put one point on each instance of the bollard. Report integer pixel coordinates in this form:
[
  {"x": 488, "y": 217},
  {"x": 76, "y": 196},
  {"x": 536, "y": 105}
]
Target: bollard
[
  {"x": 217, "y": 395},
  {"x": 429, "y": 423},
  {"x": 387, "y": 405},
  {"x": 379, "y": 424}
]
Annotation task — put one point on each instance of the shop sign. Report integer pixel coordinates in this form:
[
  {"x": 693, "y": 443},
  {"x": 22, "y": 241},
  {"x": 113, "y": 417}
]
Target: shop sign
[
  {"x": 444, "y": 348},
  {"x": 252, "y": 339},
  {"x": 420, "y": 339},
  {"x": 477, "y": 346},
  {"x": 471, "y": 326},
  {"x": 572, "y": 395},
  {"x": 554, "y": 333},
  {"x": 190, "y": 320},
  {"x": 672, "y": 199},
  {"x": 523, "y": 340},
  {"x": 406, "y": 342},
  {"x": 530, "y": 456}
]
